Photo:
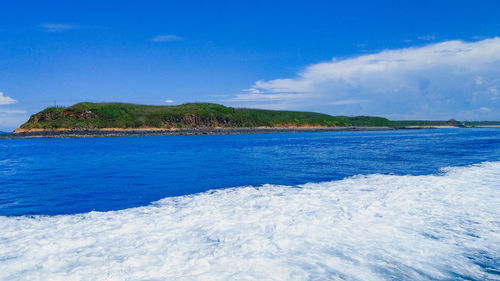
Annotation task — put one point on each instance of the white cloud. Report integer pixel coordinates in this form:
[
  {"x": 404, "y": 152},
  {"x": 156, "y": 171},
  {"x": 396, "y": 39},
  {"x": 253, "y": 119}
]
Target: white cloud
[
  {"x": 427, "y": 37},
  {"x": 57, "y": 27},
  {"x": 9, "y": 122},
  {"x": 493, "y": 92},
  {"x": 478, "y": 80},
  {"x": 12, "y": 111},
  {"x": 6, "y": 100},
  {"x": 264, "y": 97},
  {"x": 10, "y": 118},
  {"x": 168, "y": 101},
  {"x": 253, "y": 91},
  {"x": 167, "y": 38},
  {"x": 352, "y": 101},
  {"x": 440, "y": 80}
]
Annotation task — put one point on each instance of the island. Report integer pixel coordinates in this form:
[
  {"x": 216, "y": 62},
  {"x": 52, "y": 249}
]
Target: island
[{"x": 87, "y": 119}]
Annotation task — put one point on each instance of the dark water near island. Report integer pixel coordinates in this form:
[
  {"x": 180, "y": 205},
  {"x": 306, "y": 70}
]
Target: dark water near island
[{"x": 410, "y": 204}]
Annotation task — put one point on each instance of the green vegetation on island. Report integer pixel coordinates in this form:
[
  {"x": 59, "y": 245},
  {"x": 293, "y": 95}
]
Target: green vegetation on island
[
  {"x": 90, "y": 116},
  {"x": 191, "y": 115},
  {"x": 481, "y": 123},
  {"x": 366, "y": 121},
  {"x": 427, "y": 123}
]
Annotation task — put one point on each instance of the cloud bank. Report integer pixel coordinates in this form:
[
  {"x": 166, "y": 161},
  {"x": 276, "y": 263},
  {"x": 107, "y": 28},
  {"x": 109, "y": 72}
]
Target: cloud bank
[
  {"x": 57, "y": 27},
  {"x": 6, "y": 100},
  {"x": 10, "y": 118},
  {"x": 167, "y": 38},
  {"x": 451, "y": 79}
]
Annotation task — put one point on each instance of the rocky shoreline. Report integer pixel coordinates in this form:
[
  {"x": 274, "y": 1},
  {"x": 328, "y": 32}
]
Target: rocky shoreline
[{"x": 179, "y": 132}]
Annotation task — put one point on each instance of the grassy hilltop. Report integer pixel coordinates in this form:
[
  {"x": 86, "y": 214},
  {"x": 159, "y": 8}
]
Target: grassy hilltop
[
  {"x": 191, "y": 115},
  {"x": 88, "y": 116}
]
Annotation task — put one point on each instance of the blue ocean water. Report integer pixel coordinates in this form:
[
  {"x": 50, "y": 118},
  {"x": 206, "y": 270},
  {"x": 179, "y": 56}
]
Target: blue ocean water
[
  {"x": 392, "y": 205},
  {"x": 68, "y": 176}
]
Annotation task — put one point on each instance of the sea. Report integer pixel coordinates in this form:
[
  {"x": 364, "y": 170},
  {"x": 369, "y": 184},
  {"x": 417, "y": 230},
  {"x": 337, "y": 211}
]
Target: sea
[{"x": 382, "y": 205}]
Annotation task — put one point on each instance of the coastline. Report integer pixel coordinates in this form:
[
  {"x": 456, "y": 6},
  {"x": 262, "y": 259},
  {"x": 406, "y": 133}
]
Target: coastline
[{"x": 150, "y": 132}]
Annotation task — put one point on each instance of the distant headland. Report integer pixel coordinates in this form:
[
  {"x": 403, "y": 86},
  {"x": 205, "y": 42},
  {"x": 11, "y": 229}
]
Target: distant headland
[{"x": 122, "y": 119}]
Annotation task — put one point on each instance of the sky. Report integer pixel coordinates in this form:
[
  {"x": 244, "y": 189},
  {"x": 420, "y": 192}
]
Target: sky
[{"x": 398, "y": 59}]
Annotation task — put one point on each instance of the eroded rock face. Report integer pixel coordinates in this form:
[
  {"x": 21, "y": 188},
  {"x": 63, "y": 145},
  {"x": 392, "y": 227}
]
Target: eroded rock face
[
  {"x": 86, "y": 114},
  {"x": 47, "y": 116},
  {"x": 191, "y": 120},
  {"x": 453, "y": 122}
]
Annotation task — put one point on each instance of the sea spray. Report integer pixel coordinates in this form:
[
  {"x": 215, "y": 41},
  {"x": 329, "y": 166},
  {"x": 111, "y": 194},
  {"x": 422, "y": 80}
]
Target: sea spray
[{"x": 373, "y": 227}]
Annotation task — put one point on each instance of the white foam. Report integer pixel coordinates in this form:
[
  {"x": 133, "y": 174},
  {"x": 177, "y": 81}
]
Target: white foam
[{"x": 362, "y": 228}]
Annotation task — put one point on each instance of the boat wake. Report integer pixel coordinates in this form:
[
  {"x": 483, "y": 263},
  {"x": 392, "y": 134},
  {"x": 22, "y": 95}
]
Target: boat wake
[{"x": 372, "y": 227}]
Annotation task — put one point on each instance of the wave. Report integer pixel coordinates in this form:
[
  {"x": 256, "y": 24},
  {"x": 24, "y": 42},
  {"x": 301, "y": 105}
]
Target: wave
[{"x": 372, "y": 227}]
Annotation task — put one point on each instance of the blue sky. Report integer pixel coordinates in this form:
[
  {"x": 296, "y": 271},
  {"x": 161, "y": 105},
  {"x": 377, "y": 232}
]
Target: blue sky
[{"x": 402, "y": 60}]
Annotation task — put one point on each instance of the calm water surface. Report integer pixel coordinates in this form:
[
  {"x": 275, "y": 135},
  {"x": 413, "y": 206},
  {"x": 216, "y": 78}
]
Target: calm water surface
[{"x": 67, "y": 176}]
